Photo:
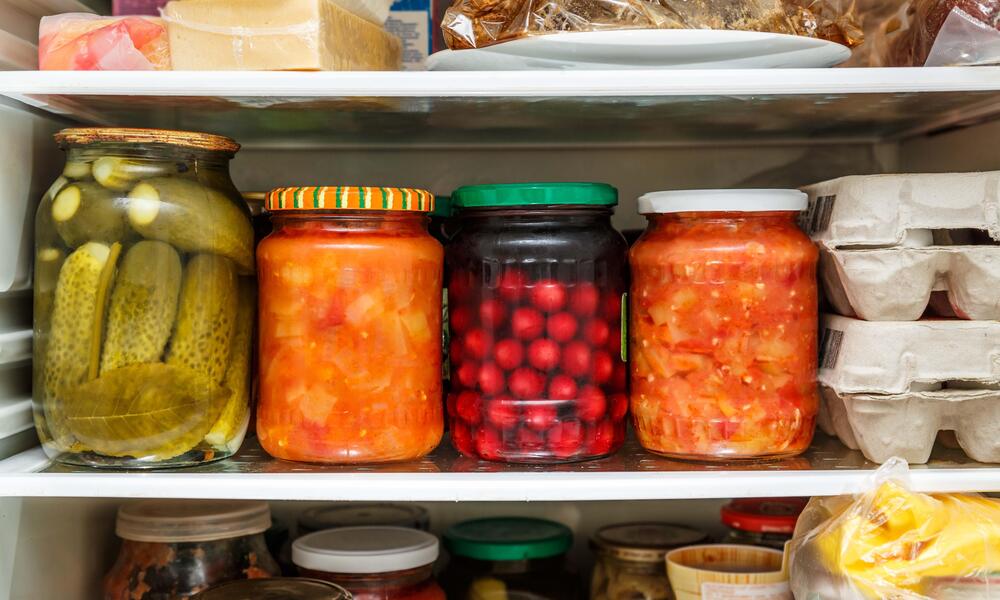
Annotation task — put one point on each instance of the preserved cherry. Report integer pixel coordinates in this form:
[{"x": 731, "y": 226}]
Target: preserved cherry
[
  {"x": 723, "y": 325},
  {"x": 350, "y": 315},
  {"x": 536, "y": 275}
]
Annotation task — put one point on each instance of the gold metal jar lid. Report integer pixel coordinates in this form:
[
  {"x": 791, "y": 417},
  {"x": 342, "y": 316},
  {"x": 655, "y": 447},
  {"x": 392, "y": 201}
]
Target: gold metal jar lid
[
  {"x": 644, "y": 541},
  {"x": 84, "y": 136}
]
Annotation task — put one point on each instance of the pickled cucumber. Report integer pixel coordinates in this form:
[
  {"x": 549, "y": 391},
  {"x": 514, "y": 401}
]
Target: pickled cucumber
[
  {"x": 206, "y": 316},
  {"x": 152, "y": 410},
  {"x": 120, "y": 174},
  {"x": 74, "y": 339},
  {"x": 143, "y": 305},
  {"x": 86, "y": 212},
  {"x": 234, "y": 416},
  {"x": 76, "y": 169},
  {"x": 48, "y": 262},
  {"x": 192, "y": 218}
]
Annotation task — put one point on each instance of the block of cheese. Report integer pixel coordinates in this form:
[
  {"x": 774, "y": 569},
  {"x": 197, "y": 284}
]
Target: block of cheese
[{"x": 276, "y": 35}]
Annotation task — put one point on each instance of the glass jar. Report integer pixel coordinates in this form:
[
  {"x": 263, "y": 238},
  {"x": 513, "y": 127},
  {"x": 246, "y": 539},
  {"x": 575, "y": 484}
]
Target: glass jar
[
  {"x": 768, "y": 522},
  {"x": 353, "y": 514},
  {"x": 536, "y": 280},
  {"x": 144, "y": 301},
  {"x": 723, "y": 325},
  {"x": 280, "y": 588},
  {"x": 175, "y": 548},
  {"x": 630, "y": 560},
  {"x": 373, "y": 563},
  {"x": 350, "y": 318},
  {"x": 509, "y": 557}
]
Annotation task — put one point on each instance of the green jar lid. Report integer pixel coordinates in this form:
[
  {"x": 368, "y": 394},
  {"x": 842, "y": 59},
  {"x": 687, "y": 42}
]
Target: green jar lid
[
  {"x": 442, "y": 206},
  {"x": 508, "y": 538},
  {"x": 533, "y": 194}
]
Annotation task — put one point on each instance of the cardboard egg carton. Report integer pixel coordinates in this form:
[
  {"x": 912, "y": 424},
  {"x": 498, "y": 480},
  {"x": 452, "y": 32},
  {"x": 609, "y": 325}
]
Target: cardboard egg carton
[
  {"x": 907, "y": 425},
  {"x": 882, "y": 210},
  {"x": 899, "y": 284},
  {"x": 898, "y": 357},
  {"x": 892, "y": 246}
]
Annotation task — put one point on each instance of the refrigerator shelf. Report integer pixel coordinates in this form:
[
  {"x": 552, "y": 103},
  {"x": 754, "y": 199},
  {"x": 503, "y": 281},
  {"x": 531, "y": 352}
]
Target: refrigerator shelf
[
  {"x": 827, "y": 468},
  {"x": 547, "y": 108}
]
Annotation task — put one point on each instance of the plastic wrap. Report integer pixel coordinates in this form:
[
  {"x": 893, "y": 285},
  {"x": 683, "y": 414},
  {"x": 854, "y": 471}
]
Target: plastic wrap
[
  {"x": 479, "y": 23},
  {"x": 934, "y": 33},
  {"x": 893, "y": 543},
  {"x": 86, "y": 42}
]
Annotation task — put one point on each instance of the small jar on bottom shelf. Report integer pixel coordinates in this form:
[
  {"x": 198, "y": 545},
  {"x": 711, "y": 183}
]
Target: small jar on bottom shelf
[
  {"x": 174, "y": 549},
  {"x": 724, "y": 321},
  {"x": 279, "y": 588},
  {"x": 350, "y": 326},
  {"x": 767, "y": 522},
  {"x": 536, "y": 277},
  {"x": 509, "y": 557},
  {"x": 372, "y": 563},
  {"x": 144, "y": 299},
  {"x": 630, "y": 560}
]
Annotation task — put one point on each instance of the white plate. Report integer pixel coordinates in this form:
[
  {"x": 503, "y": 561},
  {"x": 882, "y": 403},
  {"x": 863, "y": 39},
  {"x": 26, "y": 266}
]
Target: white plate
[{"x": 646, "y": 49}]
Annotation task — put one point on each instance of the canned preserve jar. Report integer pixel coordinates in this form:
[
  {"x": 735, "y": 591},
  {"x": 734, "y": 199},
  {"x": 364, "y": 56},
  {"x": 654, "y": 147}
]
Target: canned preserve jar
[
  {"x": 535, "y": 287},
  {"x": 279, "y": 588},
  {"x": 144, "y": 301},
  {"x": 373, "y": 563},
  {"x": 509, "y": 557},
  {"x": 175, "y": 548},
  {"x": 630, "y": 560},
  {"x": 350, "y": 326},
  {"x": 768, "y": 522},
  {"x": 723, "y": 325}
]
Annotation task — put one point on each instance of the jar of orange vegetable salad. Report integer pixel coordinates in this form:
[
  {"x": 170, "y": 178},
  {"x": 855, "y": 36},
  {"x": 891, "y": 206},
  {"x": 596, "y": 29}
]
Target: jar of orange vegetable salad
[
  {"x": 350, "y": 326},
  {"x": 723, "y": 325}
]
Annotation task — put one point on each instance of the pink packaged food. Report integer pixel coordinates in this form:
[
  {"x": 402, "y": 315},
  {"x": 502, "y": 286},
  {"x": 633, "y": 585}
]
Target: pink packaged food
[
  {"x": 137, "y": 7},
  {"x": 86, "y": 42}
]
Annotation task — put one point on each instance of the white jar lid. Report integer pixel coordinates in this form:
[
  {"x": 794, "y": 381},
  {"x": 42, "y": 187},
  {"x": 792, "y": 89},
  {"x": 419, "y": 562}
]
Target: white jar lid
[
  {"x": 365, "y": 550},
  {"x": 734, "y": 200},
  {"x": 173, "y": 521}
]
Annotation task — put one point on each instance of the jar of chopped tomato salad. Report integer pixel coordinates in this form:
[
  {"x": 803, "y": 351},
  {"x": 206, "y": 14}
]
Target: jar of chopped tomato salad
[
  {"x": 350, "y": 326},
  {"x": 723, "y": 325}
]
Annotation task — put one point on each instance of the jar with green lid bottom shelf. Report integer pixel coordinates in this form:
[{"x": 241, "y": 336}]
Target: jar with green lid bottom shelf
[
  {"x": 536, "y": 278},
  {"x": 144, "y": 301},
  {"x": 509, "y": 557},
  {"x": 629, "y": 559},
  {"x": 173, "y": 549},
  {"x": 373, "y": 563}
]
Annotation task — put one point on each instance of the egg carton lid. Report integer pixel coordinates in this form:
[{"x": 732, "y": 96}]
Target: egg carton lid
[
  {"x": 880, "y": 210},
  {"x": 895, "y": 357}
]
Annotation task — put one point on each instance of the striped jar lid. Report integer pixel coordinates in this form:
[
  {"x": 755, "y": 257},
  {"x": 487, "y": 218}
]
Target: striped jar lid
[{"x": 349, "y": 198}]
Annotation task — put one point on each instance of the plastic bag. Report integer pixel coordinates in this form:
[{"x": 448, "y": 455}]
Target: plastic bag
[
  {"x": 936, "y": 33},
  {"x": 479, "y": 23},
  {"x": 891, "y": 543},
  {"x": 86, "y": 42}
]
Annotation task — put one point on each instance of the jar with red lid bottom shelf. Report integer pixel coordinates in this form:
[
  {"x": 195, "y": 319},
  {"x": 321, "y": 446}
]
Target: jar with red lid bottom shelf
[
  {"x": 723, "y": 325},
  {"x": 372, "y": 563},
  {"x": 350, "y": 326},
  {"x": 768, "y": 522},
  {"x": 629, "y": 559},
  {"x": 176, "y": 548},
  {"x": 279, "y": 588},
  {"x": 509, "y": 557},
  {"x": 536, "y": 277}
]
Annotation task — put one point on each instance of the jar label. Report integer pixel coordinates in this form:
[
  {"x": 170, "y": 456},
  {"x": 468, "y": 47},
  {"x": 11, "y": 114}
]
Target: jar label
[
  {"x": 624, "y": 329},
  {"x": 744, "y": 591}
]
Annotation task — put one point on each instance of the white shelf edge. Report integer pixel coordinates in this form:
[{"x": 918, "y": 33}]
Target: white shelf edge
[
  {"x": 18, "y": 480},
  {"x": 290, "y": 85}
]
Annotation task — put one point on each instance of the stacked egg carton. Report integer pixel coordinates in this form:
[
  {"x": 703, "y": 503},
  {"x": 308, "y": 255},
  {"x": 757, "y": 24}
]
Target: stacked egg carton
[{"x": 912, "y": 265}]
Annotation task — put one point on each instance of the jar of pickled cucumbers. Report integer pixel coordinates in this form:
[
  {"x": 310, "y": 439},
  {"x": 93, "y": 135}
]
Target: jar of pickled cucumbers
[
  {"x": 144, "y": 301},
  {"x": 350, "y": 317}
]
